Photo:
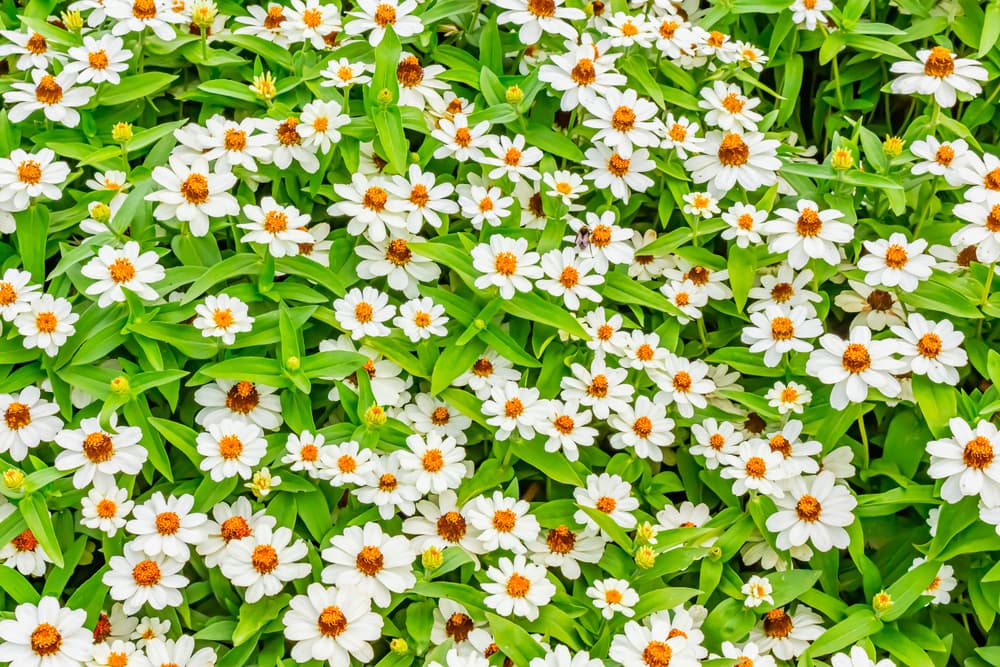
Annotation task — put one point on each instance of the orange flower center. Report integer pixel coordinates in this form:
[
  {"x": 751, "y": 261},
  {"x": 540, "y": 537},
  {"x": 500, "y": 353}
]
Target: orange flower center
[
  {"x": 121, "y": 270},
  {"x": 808, "y": 508},
  {"x": 505, "y": 263},
  {"x": 583, "y": 72},
  {"x": 733, "y": 151},
  {"x": 385, "y": 15},
  {"x": 895, "y": 257},
  {"x": 98, "y": 59},
  {"x": 560, "y": 540},
  {"x": 234, "y": 528},
  {"x": 978, "y": 453},
  {"x": 45, "y": 640},
  {"x": 230, "y": 447},
  {"x": 409, "y": 73},
  {"x": 856, "y": 358},
  {"x": 451, "y": 526},
  {"x": 195, "y": 189},
  {"x": 518, "y": 586},
  {"x": 167, "y": 523},
  {"x": 370, "y": 561},
  {"x": 98, "y": 447},
  {"x": 782, "y": 328},
  {"x": 146, "y": 573},
  {"x": 504, "y": 520},
  {"x": 809, "y": 223},
  {"x": 331, "y": 622},
  {"x": 264, "y": 558},
  {"x": 756, "y": 467},
  {"x": 46, "y": 322},
  {"x": 940, "y": 63},
  {"x": 657, "y": 654}
]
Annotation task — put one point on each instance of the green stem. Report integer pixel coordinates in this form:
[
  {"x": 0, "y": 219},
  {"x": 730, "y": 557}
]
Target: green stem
[
  {"x": 864, "y": 433},
  {"x": 926, "y": 209},
  {"x": 836, "y": 81},
  {"x": 986, "y": 287}
]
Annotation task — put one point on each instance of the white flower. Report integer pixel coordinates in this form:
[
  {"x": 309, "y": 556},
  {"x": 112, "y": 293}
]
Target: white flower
[
  {"x": 744, "y": 222},
  {"x": 624, "y": 120},
  {"x": 47, "y": 324},
  {"x": 686, "y": 297},
  {"x": 807, "y": 232},
  {"x": 374, "y": 16},
  {"x": 118, "y": 653},
  {"x": 264, "y": 561},
  {"x": 436, "y": 464},
  {"x": 441, "y": 524},
  {"x": 652, "y": 644},
  {"x": 681, "y": 136},
  {"x": 162, "y": 652},
  {"x": 332, "y": 624},
  {"x": 422, "y": 198},
  {"x": 393, "y": 259},
  {"x": 147, "y": 629},
  {"x": 26, "y": 176},
  {"x": 815, "y": 510},
  {"x": 565, "y": 185},
  {"x": 875, "y": 308},
  {"x": 23, "y": 553},
  {"x": 229, "y": 144},
  {"x": 858, "y": 658},
  {"x": 502, "y": 522},
  {"x": 606, "y": 242},
  {"x": 788, "y": 397},
  {"x": 938, "y": 73},
  {"x": 600, "y": 388},
  {"x": 125, "y": 269},
  {"x": 137, "y": 15},
  {"x": 967, "y": 461},
  {"x": 609, "y": 494},
  {"x": 644, "y": 428},
  {"x": 421, "y": 318},
  {"x": 488, "y": 370},
  {"x": 456, "y": 658},
  {"x": 944, "y": 581},
  {"x": 785, "y": 288},
  {"x": 288, "y": 144},
  {"x": 581, "y": 75},
  {"x": 46, "y": 635},
  {"x": 854, "y": 365},
  {"x": 561, "y": 657},
  {"x": 222, "y": 316},
  {"x": 715, "y": 441},
  {"x": 56, "y": 96},
  {"x": 756, "y": 467},
  {"x": 613, "y": 596},
  {"x": 778, "y": 330},
  {"x": 28, "y": 421},
  {"x": 385, "y": 485},
  {"x": 281, "y": 228},
  {"x": 16, "y": 293},
  {"x": 505, "y": 264},
  {"x": 941, "y": 158},
  {"x": 757, "y": 591},
  {"x": 931, "y": 348},
  {"x": 983, "y": 230},
  {"x": 166, "y": 526},
  {"x": 105, "y": 508},
  {"x": 728, "y": 109},
  {"x": 245, "y": 401},
  {"x": 566, "y": 428},
  {"x": 428, "y": 414},
  {"x": 512, "y": 159},
  {"x": 303, "y": 452},
  {"x": 362, "y": 312},
  {"x": 622, "y": 174},
  {"x": 565, "y": 549},
  {"x": 605, "y": 331},
  {"x": 342, "y": 73},
  {"x": 748, "y": 160},
  {"x": 749, "y": 654},
  {"x": 894, "y": 262},
  {"x": 230, "y": 524},
  {"x": 701, "y": 203},
  {"x": 537, "y": 17},
  {"x": 192, "y": 193},
  {"x": 99, "y": 456},
  {"x": 34, "y": 51},
  {"x": 419, "y": 86},
  {"x": 231, "y": 447},
  {"x": 369, "y": 205},
  {"x": 684, "y": 382},
  {"x": 345, "y": 463},
  {"x": 517, "y": 588},
  {"x": 136, "y": 578},
  {"x": 311, "y": 21},
  {"x": 787, "y": 636},
  {"x": 568, "y": 276},
  {"x": 810, "y": 12},
  {"x": 368, "y": 561},
  {"x": 459, "y": 141}
]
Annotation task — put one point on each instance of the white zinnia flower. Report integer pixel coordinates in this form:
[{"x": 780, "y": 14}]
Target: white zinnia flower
[
  {"x": 124, "y": 269},
  {"x": 938, "y": 72}
]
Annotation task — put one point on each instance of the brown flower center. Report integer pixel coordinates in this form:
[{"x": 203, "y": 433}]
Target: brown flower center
[
  {"x": 598, "y": 386},
  {"x": 242, "y": 398},
  {"x": 288, "y": 135},
  {"x": 809, "y": 223},
  {"x": 657, "y": 654},
  {"x": 25, "y": 541},
  {"x": 195, "y": 189},
  {"x": 782, "y": 292},
  {"x": 440, "y": 416},
  {"x": 451, "y": 526},
  {"x": 560, "y": 540},
  {"x": 370, "y": 561},
  {"x": 234, "y": 528},
  {"x": 458, "y": 626},
  {"x": 98, "y": 447},
  {"x": 782, "y": 329},
  {"x": 733, "y": 151},
  {"x": 583, "y": 72},
  {"x": 409, "y": 73},
  {"x": 777, "y": 624},
  {"x": 978, "y": 453},
  {"x": 880, "y": 300},
  {"x": 504, "y": 520},
  {"x": 623, "y": 119},
  {"x": 264, "y": 558},
  {"x": 856, "y": 358},
  {"x": 48, "y": 90},
  {"x": 36, "y": 44},
  {"x": 808, "y": 508},
  {"x": 483, "y": 367},
  {"x": 940, "y": 63},
  {"x": 387, "y": 482},
  {"x": 45, "y": 640},
  {"x": 331, "y": 622},
  {"x": 17, "y": 415}
]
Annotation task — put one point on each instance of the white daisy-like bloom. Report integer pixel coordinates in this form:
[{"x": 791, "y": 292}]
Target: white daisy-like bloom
[
  {"x": 602, "y": 389},
  {"x": 810, "y": 12},
  {"x": 624, "y": 120},
  {"x": 512, "y": 408},
  {"x": 609, "y": 494},
  {"x": 231, "y": 447},
  {"x": 435, "y": 464},
  {"x": 728, "y": 109},
  {"x": 517, "y": 588},
  {"x": 119, "y": 653},
  {"x": 340, "y": 73},
  {"x": 688, "y": 515},
  {"x": 318, "y": 249},
  {"x": 566, "y": 428},
  {"x": 422, "y": 198},
  {"x": 807, "y": 232},
  {"x": 99, "y": 60},
  {"x": 784, "y": 288},
  {"x": 441, "y": 524},
  {"x": 418, "y": 85},
  {"x": 502, "y": 522},
  {"x": 785, "y": 635},
  {"x": 710, "y": 281},
  {"x": 651, "y": 643},
  {"x": 621, "y": 174},
  {"x": 162, "y": 652},
  {"x": 686, "y": 297},
  {"x": 716, "y": 441},
  {"x": 815, "y": 510},
  {"x": 266, "y": 23},
  {"x": 459, "y": 141},
  {"x": 607, "y": 243},
  {"x": 345, "y": 463},
  {"x": 483, "y": 204},
  {"x": 982, "y": 230},
  {"x": 137, "y": 15},
  {"x": 755, "y": 466},
  {"x": 931, "y": 348},
  {"x": 16, "y": 293},
  {"x": 941, "y": 158},
  {"x": 193, "y": 193},
  {"x": 983, "y": 175},
  {"x": 858, "y": 658},
  {"x": 265, "y": 561},
  {"x": 896, "y": 263},
  {"x": 757, "y": 550},
  {"x": 563, "y": 548},
  {"x": 26, "y": 176},
  {"x": 385, "y": 485},
  {"x": 539, "y": 16},
  {"x": 838, "y": 462},
  {"x": 561, "y": 657},
  {"x": 967, "y": 462},
  {"x": 606, "y": 334},
  {"x": 748, "y": 655},
  {"x": 99, "y": 456},
  {"x": 137, "y": 578},
  {"x": 288, "y": 144},
  {"x": 115, "y": 270},
  {"x": 938, "y": 72},
  {"x": 222, "y": 316},
  {"x": 303, "y": 452},
  {"x": 639, "y": 350},
  {"x": 243, "y": 400},
  {"x": 116, "y": 625},
  {"x": 429, "y": 414},
  {"x": 683, "y": 382},
  {"x": 944, "y": 581},
  {"x": 788, "y": 397},
  {"x": 28, "y": 421},
  {"x": 565, "y": 185},
  {"x": 506, "y": 264},
  {"x": 681, "y": 135},
  {"x": 167, "y": 526},
  {"x": 855, "y": 364},
  {"x": 55, "y": 96},
  {"x": 46, "y": 635},
  {"x": 727, "y": 160},
  {"x": 281, "y": 228},
  {"x": 511, "y": 158},
  {"x": 701, "y": 204},
  {"x": 569, "y": 276},
  {"x": 362, "y": 312},
  {"x": 875, "y": 308},
  {"x": 374, "y": 16},
  {"x": 757, "y": 590},
  {"x": 645, "y": 266},
  {"x": 613, "y": 596},
  {"x": 456, "y": 658},
  {"x": 23, "y": 553},
  {"x": 147, "y": 629},
  {"x": 105, "y": 508},
  {"x": 744, "y": 222},
  {"x": 581, "y": 75},
  {"x": 383, "y": 375},
  {"x": 644, "y": 428},
  {"x": 368, "y": 561},
  {"x": 370, "y": 206},
  {"x": 777, "y": 330},
  {"x": 331, "y": 624},
  {"x": 627, "y": 30},
  {"x": 33, "y": 50},
  {"x": 488, "y": 370},
  {"x": 452, "y": 621},
  {"x": 230, "y": 524},
  {"x": 311, "y": 21},
  {"x": 47, "y": 324}
]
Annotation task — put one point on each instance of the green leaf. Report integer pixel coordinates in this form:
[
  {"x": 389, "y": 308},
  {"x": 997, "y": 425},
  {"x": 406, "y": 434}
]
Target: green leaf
[
  {"x": 32, "y": 234},
  {"x": 938, "y": 403},
  {"x": 513, "y": 640},
  {"x": 232, "y": 267},
  {"x": 36, "y": 516},
  {"x": 663, "y": 598},
  {"x": 137, "y": 86},
  {"x": 253, "y": 617},
  {"x": 860, "y": 624},
  {"x": 532, "y": 307},
  {"x": 17, "y": 587}
]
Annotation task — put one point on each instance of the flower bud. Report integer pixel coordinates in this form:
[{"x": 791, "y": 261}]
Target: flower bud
[
  {"x": 203, "y": 13},
  {"x": 646, "y": 533},
  {"x": 120, "y": 385},
  {"x": 893, "y": 146},
  {"x": 72, "y": 20},
  {"x": 293, "y": 363},
  {"x": 13, "y": 479},
  {"x": 384, "y": 97},
  {"x": 842, "y": 159},
  {"x": 121, "y": 132},
  {"x": 263, "y": 483},
  {"x": 715, "y": 553},
  {"x": 263, "y": 86},
  {"x": 432, "y": 558},
  {"x": 399, "y": 646},
  {"x": 882, "y": 602},
  {"x": 374, "y": 417},
  {"x": 645, "y": 557},
  {"x": 100, "y": 212},
  {"x": 514, "y": 95}
]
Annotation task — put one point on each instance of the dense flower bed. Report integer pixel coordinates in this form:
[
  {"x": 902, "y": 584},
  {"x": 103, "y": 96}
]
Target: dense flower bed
[{"x": 546, "y": 333}]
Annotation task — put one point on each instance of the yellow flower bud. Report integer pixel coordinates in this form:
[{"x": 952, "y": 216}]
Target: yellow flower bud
[
  {"x": 100, "y": 212},
  {"x": 375, "y": 417},
  {"x": 263, "y": 86},
  {"x": 72, "y": 20},
  {"x": 514, "y": 95},
  {"x": 399, "y": 646},
  {"x": 293, "y": 363},
  {"x": 842, "y": 159},
  {"x": 882, "y": 602},
  {"x": 646, "y": 533},
  {"x": 120, "y": 385},
  {"x": 121, "y": 132},
  {"x": 203, "y": 13},
  {"x": 432, "y": 558},
  {"x": 645, "y": 557},
  {"x": 893, "y": 146},
  {"x": 13, "y": 479}
]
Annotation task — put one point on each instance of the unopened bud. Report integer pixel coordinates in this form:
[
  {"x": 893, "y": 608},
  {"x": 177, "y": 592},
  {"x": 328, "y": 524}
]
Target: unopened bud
[
  {"x": 399, "y": 646},
  {"x": 645, "y": 557},
  {"x": 203, "y": 13},
  {"x": 715, "y": 553},
  {"x": 842, "y": 159},
  {"x": 882, "y": 602},
  {"x": 13, "y": 479},
  {"x": 100, "y": 212},
  {"x": 375, "y": 417},
  {"x": 514, "y": 95},
  {"x": 384, "y": 97},
  {"x": 893, "y": 146},
  {"x": 263, "y": 482},
  {"x": 121, "y": 132},
  {"x": 72, "y": 20},
  {"x": 479, "y": 323},
  {"x": 263, "y": 86},
  {"x": 432, "y": 558},
  {"x": 120, "y": 385},
  {"x": 293, "y": 363},
  {"x": 646, "y": 533}
]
